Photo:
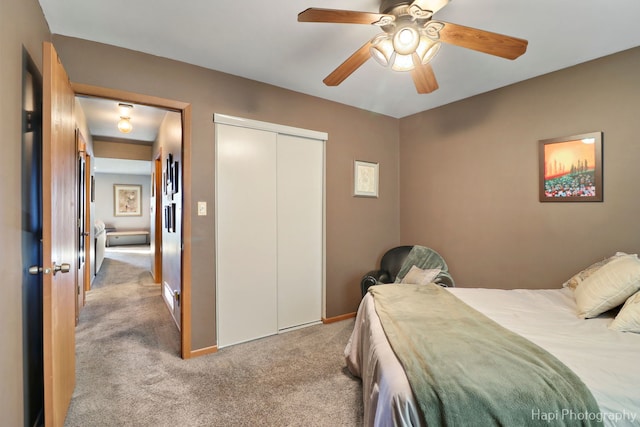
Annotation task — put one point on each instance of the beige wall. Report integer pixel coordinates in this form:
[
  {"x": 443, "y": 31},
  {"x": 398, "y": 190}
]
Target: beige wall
[
  {"x": 15, "y": 35},
  {"x": 358, "y": 229},
  {"x": 104, "y": 206},
  {"x": 469, "y": 177},
  {"x": 121, "y": 150},
  {"x": 169, "y": 141}
]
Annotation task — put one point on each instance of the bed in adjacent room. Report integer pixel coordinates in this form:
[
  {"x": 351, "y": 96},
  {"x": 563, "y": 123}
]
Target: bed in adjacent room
[
  {"x": 100, "y": 240},
  {"x": 574, "y": 367}
]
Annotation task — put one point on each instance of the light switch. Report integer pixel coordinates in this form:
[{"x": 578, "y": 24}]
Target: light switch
[{"x": 202, "y": 208}]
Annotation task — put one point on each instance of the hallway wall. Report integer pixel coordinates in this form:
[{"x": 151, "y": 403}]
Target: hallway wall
[{"x": 104, "y": 205}]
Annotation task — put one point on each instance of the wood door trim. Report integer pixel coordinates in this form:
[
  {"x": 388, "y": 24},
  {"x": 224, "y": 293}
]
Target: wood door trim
[
  {"x": 185, "y": 311},
  {"x": 137, "y": 98},
  {"x": 81, "y": 157},
  {"x": 185, "y": 109},
  {"x": 157, "y": 238},
  {"x": 87, "y": 224}
]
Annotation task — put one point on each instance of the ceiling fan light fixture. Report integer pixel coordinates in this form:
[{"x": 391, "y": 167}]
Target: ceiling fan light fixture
[
  {"x": 382, "y": 49},
  {"x": 406, "y": 40},
  {"x": 124, "y": 125},
  {"x": 411, "y": 39},
  {"x": 427, "y": 49},
  {"x": 403, "y": 63}
]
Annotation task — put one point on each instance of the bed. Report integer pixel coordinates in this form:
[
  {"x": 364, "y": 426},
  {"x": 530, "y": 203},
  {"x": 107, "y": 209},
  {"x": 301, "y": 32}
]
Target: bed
[
  {"x": 100, "y": 240},
  {"x": 606, "y": 361}
]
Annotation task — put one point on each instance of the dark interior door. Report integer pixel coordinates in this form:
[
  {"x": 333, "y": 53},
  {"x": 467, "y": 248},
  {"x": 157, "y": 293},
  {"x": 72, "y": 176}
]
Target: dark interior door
[{"x": 31, "y": 247}]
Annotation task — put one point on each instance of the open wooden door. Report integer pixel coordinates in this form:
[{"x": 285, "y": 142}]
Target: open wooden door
[{"x": 59, "y": 234}]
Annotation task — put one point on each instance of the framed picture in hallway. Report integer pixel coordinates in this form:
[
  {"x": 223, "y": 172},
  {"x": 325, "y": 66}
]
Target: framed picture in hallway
[
  {"x": 127, "y": 200},
  {"x": 571, "y": 168}
]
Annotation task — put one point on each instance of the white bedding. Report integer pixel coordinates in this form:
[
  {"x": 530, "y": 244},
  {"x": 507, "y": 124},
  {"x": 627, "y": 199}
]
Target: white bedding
[
  {"x": 605, "y": 360},
  {"x": 100, "y": 242}
]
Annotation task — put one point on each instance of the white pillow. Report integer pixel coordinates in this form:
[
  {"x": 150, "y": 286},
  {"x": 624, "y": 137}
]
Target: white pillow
[
  {"x": 608, "y": 287},
  {"x": 580, "y": 277},
  {"x": 418, "y": 276},
  {"x": 628, "y": 319}
]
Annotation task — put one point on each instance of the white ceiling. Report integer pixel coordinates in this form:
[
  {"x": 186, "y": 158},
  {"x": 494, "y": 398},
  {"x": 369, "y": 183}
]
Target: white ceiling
[
  {"x": 121, "y": 166},
  {"x": 102, "y": 119},
  {"x": 103, "y": 115},
  {"x": 263, "y": 41}
]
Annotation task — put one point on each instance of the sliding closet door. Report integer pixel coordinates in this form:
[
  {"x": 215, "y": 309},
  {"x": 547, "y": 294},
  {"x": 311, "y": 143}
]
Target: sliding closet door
[
  {"x": 300, "y": 237},
  {"x": 246, "y": 234}
]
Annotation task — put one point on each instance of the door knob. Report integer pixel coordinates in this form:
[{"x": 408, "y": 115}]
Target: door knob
[
  {"x": 36, "y": 269},
  {"x": 63, "y": 268}
]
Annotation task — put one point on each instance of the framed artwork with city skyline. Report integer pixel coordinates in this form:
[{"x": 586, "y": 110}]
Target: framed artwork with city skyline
[{"x": 571, "y": 168}]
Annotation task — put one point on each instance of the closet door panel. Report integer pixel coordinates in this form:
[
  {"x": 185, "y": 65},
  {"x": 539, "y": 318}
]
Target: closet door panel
[
  {"x": 300, "y": 233},
  {"x": 246, "y": 234}
]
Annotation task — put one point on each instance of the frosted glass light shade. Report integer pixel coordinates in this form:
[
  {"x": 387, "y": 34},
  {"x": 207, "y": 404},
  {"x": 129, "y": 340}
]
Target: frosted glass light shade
[
  {"x": 402, "y": 62},
  {"x": 124, "y": 125},
  {"x": 406, "y": 40},
  {"x": 382, "y": 49},
  {"x": 427, "y": 49}
]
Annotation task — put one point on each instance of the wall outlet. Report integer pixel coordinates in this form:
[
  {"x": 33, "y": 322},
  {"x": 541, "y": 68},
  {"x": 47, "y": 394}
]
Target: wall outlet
[{"x": 202, "y": 208}]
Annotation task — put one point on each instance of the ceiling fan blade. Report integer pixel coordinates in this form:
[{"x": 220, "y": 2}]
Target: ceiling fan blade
[
  {"x": 338, "y": 16},
  {"x": 352, "y": 63},
  {"x": 423, "y": 77},
  {"x": 483, "y": 41}
]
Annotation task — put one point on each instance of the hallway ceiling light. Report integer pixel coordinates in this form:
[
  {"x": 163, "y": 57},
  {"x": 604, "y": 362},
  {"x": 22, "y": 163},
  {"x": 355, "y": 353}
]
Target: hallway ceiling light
[{"x": 124, "y": 125}]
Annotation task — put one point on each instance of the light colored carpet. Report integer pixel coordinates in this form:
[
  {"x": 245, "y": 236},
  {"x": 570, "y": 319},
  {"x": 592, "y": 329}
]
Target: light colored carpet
[{"x": 129, "y": 372}]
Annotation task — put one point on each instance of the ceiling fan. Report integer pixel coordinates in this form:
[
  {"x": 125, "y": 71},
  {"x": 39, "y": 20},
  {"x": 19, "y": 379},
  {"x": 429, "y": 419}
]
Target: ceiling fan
[{"x": 410, "y": 39}]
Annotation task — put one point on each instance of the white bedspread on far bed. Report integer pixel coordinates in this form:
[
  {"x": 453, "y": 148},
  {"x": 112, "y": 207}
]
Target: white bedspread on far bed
[{"x": 605, "y": 360}]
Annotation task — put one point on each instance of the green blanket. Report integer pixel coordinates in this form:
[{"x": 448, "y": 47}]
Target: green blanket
[
  {"x": 423, "y": 257},
  {"x": 465, "y": 369}
]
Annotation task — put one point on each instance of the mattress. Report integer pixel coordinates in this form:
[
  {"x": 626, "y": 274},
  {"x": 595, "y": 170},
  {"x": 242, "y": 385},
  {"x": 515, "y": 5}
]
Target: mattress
[
  {"x": 606, "y": 361},
  {"x": 100, "y": 241}
]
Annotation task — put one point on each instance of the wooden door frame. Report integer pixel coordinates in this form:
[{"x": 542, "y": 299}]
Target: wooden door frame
[
  {"x": 157, "y": 185},
  {"x": 87, "y": 223},
  {"x": 81, "y": 155},
  {"x": 185, "y": 111}
]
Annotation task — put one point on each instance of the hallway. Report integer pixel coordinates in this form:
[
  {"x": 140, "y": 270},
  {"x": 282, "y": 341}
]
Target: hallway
[{"x": 125, "y": 330}]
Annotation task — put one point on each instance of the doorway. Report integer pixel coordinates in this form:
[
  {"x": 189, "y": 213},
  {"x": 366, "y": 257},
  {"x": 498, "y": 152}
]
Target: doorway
[{"x": 184, "y": 255}]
